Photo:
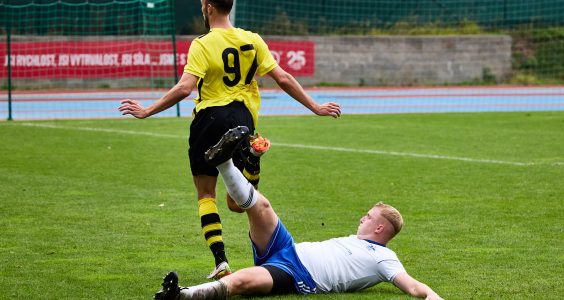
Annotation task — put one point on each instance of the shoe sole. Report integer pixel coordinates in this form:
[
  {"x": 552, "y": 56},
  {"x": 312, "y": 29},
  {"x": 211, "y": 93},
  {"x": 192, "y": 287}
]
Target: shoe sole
[
  {"x": 170, "y": 287},
  {"x": 223, "y": 150}
]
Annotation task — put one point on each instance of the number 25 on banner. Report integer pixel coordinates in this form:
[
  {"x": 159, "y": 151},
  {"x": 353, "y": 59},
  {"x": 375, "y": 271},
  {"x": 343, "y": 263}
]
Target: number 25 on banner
[{"x": 296, "y": 59}]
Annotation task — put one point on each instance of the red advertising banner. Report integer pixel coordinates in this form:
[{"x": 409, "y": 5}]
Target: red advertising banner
[
  {"x": 296, "y": 57},
  {"x": 124, "y": 59}
]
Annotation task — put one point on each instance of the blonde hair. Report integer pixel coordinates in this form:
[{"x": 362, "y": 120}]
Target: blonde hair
[{"x": 392, "y": 215}]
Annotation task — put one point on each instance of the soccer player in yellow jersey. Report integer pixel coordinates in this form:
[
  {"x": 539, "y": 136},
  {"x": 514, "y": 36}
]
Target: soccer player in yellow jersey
[{"x": 222, "y": 64}]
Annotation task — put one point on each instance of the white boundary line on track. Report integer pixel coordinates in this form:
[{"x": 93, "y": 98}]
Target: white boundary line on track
[{"x": 302, "y": 146}]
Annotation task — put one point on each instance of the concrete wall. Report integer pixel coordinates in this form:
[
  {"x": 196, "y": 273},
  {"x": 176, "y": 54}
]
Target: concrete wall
[
  {"x": 408, "y": 60},
  {"x": 365, "y": 61}
]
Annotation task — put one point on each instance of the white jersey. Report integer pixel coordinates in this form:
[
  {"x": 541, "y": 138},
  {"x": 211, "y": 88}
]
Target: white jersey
[{"x": 348, "y": 264}]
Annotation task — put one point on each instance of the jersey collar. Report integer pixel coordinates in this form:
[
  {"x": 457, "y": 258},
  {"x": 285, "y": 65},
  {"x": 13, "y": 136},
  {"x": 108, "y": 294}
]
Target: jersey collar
[{"x": 373, "y": 242}]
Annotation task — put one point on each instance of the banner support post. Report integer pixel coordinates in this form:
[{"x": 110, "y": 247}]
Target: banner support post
[
  {"x": 9, "y": 58},
  {"x": 173, "y": 33}
]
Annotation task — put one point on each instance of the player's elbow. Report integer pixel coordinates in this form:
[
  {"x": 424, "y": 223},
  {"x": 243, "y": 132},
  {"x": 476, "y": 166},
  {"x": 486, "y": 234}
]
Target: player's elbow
[
  {"x": 412, "y": 291},
  {"x": 284, "y": 80},
  {"x": 419, "y": 290},
  {"x": 183, "y": 90}
]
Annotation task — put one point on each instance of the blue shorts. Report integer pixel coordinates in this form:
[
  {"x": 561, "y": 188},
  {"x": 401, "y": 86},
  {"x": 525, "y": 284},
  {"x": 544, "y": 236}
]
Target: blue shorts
[{"x": 281, "y": 253}]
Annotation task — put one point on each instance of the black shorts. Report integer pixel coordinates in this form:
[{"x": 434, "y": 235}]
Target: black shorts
[
  {"x": 282, "y": 282},
  {"x": 208, "y": 127}
]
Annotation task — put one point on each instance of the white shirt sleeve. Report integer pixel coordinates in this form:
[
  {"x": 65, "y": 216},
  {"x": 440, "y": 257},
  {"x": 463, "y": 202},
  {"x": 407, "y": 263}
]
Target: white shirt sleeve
[{"x": 390, "y": 268}]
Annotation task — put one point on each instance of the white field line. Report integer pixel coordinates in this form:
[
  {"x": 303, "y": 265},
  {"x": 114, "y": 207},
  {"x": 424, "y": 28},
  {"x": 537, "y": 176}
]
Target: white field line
[
  {"x": 129, "y": 132},
  {"x": 302, "y": 146}
]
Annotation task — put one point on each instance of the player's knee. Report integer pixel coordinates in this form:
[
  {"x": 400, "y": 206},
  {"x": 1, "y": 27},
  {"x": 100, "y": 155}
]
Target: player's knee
[
  {"x": 205, "y": 186},
  {"x": 263, "y": 203},
  {"x": 205, "y": 192},
  {"x": 240, "y": 283}
]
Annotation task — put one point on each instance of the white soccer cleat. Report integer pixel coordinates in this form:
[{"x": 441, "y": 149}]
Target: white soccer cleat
[{"x": 220, "y": 271}]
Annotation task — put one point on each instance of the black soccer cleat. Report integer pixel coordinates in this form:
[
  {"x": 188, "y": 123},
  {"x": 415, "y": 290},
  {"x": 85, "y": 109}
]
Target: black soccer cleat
[
  {"x": 224, "y": 149},
  {"x": 170, "y": 289}
]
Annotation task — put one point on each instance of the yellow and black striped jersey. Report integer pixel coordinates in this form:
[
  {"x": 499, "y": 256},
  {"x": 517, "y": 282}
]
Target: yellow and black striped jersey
[{"x": 226, "y": 61}]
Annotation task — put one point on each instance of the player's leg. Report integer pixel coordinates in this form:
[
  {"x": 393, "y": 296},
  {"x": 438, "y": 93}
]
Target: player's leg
[
  {"x": 205, "y": 130},
  {"x": 245, "y": 158},
  {"x": 239, "y": 157},
  {"x": 211, "y": 223},
  {"x": 258, "y": 145},
  {"x": 262, "y": 223},
  {"x": 248, "y": 281},
  {"x": 262, "y": 218},
  {"x": 172, "y": 291},
  {"x": 233, "y": 206},
  {"x": 249, "y": 164},
  {"x": 251, "y": 153}
]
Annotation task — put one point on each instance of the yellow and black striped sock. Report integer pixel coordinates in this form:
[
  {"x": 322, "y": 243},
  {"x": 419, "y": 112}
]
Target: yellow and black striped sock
[
  {"x": 251, "y": 171},
  {"x": 211, "y": 228}
]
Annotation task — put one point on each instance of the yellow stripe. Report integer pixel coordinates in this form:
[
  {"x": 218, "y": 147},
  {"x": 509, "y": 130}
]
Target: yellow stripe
[
  {"x": 249, "y": 176},
  {"x": 207, "y": 206},
  {"x": 210, "y": 227},
  {"x": 214, "y": 239}
]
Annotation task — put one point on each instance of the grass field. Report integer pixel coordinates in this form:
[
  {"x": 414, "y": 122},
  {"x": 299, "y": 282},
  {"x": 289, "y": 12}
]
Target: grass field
[{"x": 101, "y": 209}]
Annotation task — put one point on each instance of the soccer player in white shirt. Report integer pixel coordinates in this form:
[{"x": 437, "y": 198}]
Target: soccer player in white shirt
[{"x": 343, "y": 264}]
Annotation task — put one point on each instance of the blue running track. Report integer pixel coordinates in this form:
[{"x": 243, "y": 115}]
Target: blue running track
[{"x": 103, "y": 104}]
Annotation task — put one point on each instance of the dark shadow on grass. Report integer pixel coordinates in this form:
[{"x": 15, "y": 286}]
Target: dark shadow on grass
[{"x": 381, "y": 291}]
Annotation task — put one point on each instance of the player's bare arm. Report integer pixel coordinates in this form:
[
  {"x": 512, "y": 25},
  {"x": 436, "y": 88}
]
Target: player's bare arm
[
  {"x": 415, "y": 288},
  {"x": 180, "y": 91},
  {"x": 291, "y": 86}
]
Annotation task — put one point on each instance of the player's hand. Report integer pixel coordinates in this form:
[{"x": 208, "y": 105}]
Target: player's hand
[
  {"x": 433, "y": 296},
  {"x": 328, "y": 109},
  {"x": 134, "y": 108}
]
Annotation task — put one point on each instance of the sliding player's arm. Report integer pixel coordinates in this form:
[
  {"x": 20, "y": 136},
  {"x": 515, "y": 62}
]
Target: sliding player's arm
[
  {"x": 415, "y": 288},
  {"x": 180, "y": 91},
  {"x": 291, "y": 86}
]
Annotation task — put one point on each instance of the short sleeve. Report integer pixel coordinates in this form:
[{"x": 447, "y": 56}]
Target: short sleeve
[
  {"x": 196, "y": 64},
  {"x": 390, "y": 268},
  {"x": 265, "y": 61}
]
